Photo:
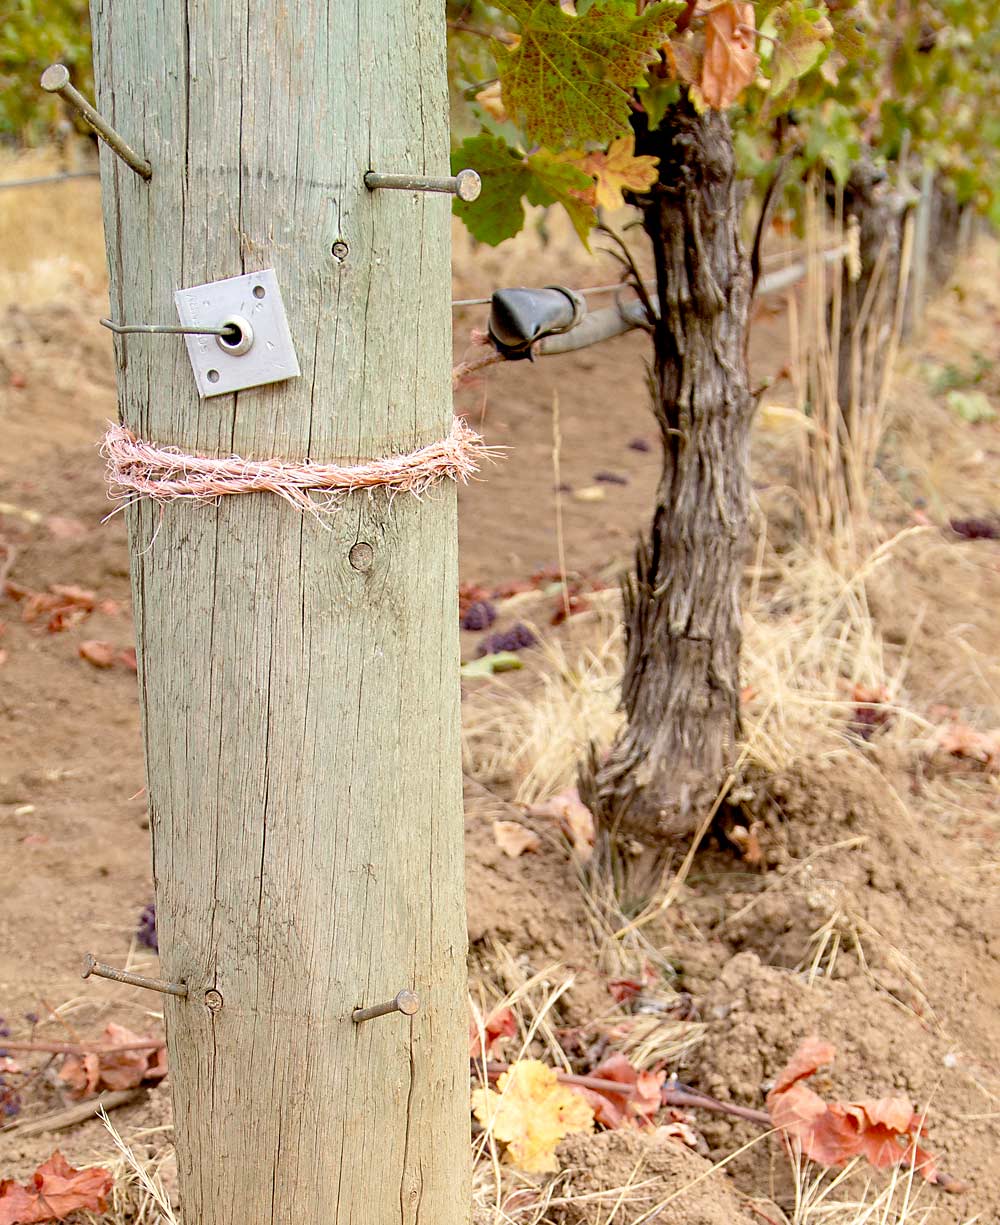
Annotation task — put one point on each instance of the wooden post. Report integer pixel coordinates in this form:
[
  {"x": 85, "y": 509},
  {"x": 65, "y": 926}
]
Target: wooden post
[
  {"x": 921, "y": 250},
  {"x": 299, "y": 683}
]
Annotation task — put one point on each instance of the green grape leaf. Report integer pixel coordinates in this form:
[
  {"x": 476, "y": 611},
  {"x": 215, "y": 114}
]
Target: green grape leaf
[
  {"x": 657, "y": 99},
  {"x": 555, "y": 182},
  {"x": 502, "y": 661},
  {"x": 800, "y": 40},
  {"x": 509, "y": 177},
  {"x": 499, "y": 212},
  {"x": 568, "y": 78}
]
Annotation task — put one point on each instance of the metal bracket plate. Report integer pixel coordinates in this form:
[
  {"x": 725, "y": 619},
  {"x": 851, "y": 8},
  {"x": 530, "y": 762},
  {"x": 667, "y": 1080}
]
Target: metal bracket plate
[{"x": 221, "y": 368}]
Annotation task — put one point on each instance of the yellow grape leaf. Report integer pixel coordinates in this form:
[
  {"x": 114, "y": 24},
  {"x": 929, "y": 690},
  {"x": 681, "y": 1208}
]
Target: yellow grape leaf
[
  {"x": 531, "y": 1113},
  {"x": 616, "y": 171},
  {"x": 730, "y": 62}
]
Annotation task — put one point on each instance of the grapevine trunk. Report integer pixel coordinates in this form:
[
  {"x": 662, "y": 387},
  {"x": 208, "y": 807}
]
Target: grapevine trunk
[{"x": 680, "y": 689}]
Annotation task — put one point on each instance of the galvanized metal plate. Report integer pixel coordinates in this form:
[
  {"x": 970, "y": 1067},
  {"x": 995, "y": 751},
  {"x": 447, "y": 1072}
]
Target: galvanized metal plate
[{"x": 221, "y": 368}]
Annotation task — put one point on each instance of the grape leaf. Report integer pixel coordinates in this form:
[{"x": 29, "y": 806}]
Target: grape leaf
[
  {"x": 801, "y": 36},
  {"x": 531, "y": 1114},
  {"x": 730, "y": 56},
  {"x": 567, "y": 80},
  {"x": 509, "y": 177},
  {"x": 616, "y": 171}
]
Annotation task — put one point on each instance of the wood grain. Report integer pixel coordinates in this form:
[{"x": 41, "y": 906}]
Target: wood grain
[{"x": 300, "y": 715}]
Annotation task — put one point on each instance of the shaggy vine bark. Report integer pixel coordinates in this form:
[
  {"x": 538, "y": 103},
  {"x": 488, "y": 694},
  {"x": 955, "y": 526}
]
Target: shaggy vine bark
[{"x": 680, "y": 689}]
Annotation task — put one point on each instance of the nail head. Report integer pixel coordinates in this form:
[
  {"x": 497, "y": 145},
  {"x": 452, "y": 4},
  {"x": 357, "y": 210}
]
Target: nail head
[
  {"x": 468, "y": 185},
  {"x": 55, "y": 78},
  {"x": 407, "y": 1002},
  {"x": 340, "y": 250},
  {"x": 213, "y": 1000}
]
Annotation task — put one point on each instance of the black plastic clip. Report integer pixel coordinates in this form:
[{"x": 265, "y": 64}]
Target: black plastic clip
[{"x": 519, "y": 317}]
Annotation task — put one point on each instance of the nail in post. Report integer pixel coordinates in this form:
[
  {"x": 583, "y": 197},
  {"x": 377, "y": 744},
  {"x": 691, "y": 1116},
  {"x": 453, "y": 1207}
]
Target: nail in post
[
  {"x": 168, "y": 329},
  {"x": 92, "y": 966},
  {"x": 405, "y": 1002},
  {"x": 55, "y": 80},
  {"x": 466, "y": 184}
]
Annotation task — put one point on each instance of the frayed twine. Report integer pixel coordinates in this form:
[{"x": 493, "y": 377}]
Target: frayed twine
[{"x": 138, "y": 470}]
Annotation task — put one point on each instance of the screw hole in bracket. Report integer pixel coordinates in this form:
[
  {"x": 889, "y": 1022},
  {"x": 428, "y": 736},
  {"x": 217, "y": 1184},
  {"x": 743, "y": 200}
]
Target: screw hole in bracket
[
  {"x": 213, "y": 376},
  {"x": 259, "y": 291}
]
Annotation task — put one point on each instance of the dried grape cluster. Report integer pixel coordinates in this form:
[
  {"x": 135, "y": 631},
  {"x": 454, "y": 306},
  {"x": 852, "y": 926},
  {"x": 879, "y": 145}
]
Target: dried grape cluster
[
  {"x": 976, "y": 529},
  {"x": 10, "y": 1101},
  {"x": 479, "y": 616},
  {"x": 146, "y": 930},
  {"x": 514, "y": 639}
]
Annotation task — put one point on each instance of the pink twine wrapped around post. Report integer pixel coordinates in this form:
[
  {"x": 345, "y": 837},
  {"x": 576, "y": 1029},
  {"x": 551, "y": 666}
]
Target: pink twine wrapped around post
[{"x": 138, "y": 469}]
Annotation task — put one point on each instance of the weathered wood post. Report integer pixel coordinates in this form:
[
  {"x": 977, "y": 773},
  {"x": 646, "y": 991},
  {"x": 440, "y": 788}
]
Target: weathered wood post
[{"x": 299, "y": 682}]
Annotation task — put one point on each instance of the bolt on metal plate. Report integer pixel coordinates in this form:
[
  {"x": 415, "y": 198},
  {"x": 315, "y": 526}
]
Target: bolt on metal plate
[{"x": 259, "y": 353}]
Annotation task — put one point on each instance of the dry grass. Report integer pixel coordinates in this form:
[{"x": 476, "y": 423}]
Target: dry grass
[
  {"x": 52, "y": 236},
  {"x": 138, "y": 1195},
  {"x": 535, "y": 734},
  {"x": 840, "y": 446},
  {"x": 850, "y": 1197}
]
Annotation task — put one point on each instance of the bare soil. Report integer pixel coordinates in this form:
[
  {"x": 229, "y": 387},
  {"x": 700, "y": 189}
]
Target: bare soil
[{"x": 892, "y": 853}]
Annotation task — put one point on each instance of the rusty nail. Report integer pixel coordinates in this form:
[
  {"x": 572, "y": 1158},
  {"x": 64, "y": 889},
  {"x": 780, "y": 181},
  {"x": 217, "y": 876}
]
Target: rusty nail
[
  {"x": 92, "y": 966},
  {"x": 55, "y": 80},
  {"x": 405, "y": 1002}
]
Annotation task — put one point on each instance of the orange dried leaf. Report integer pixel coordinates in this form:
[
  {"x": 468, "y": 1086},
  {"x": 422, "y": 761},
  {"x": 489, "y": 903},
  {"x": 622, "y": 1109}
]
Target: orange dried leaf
[
  {"x": 54, "y": 1192},
  {"x": 100, "y": 654},
  {"x": 883, "y": 1130},
  {"x": 531, "y": 1113},
  {"x": 89, "y": 1074},
  {"x": 497, "y": 1028},
  {"x": 730, "y": 62},
  {"x": 640, "y": 1098},
  {"x": 574, "y": 817},
  {"x": 962, "y": 741},
  {"x": 514, "y": 839}
]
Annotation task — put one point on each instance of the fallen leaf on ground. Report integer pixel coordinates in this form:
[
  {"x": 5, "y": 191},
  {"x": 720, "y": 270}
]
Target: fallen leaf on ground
[
  {"x": 569, "y": 607},
  {"x": 623, "y": 989},
  {"x": 127, "y": 659},
  {"x": 962, "y": 741},
  {"x": 89, "y": 1074},
  {"x": 590, "y": 493},
  {"x": 514, "y": 839},
  {"x": 62, "y": 605},
  {"x": 730, "y": 62},
  {"x": 497, "y": 1028},
  {"x": 3, "y": 656},
  {"x": 884, "y": 1130},
  {"x": 531, "y": 1113},
  {"x": 54, "y": 1192},
  {"x": 682, "y": 1133},
  {"x": 575, "y": 820},
  {"x": 639, "y": 1100},
  {"x": 65, "y": 529},
  {"x": 100, "y": 654},
  {"x": 501, "y": 661}
]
